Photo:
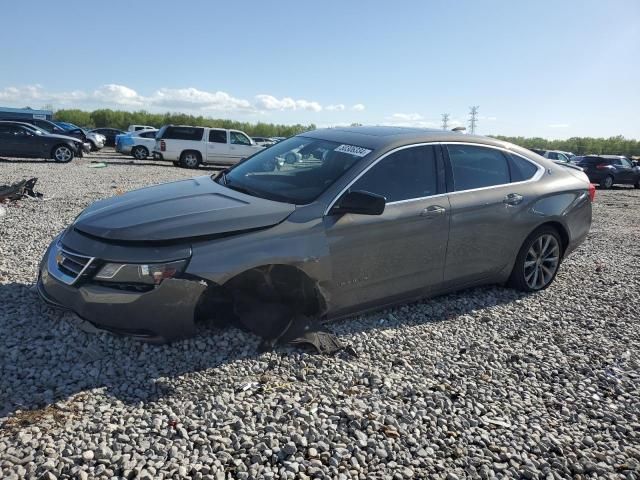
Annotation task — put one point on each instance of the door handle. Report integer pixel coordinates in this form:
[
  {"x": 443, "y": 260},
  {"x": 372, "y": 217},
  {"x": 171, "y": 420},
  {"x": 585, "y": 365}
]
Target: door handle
[
  {"x": 433, "y": 211},
  {"x": 513, "y": 199}
]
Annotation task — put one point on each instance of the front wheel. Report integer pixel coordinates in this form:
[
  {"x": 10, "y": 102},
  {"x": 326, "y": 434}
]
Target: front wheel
[
  {"x": 62, "y": 154},
  {"x": 607, "y": 182},
  {"x": 538, "y": 261}
]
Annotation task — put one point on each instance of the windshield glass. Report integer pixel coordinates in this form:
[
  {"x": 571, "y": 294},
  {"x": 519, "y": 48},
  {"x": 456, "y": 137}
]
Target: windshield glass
[{"x": 296, "y": 170}]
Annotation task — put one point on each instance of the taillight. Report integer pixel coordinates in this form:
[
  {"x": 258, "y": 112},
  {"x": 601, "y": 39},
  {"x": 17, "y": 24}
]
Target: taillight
[
  {"x": 163, "y": 146},
  {"x": 592, "y": 192},
  {"x": 602, "y": 166}
]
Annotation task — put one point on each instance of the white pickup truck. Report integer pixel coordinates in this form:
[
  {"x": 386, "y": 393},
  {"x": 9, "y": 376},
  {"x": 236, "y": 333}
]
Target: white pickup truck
[{"x": 188, "y": 146}]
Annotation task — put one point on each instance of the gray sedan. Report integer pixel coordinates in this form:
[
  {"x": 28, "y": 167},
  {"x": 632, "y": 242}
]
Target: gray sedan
[{"x": 369, "y": 217}]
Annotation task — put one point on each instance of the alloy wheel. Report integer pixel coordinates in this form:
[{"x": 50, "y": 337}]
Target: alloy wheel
[
  {"x": 140, "y": 153},
  {"x": 63, "y": 154},
  {"x": 542, "y": 261},
  {"x": 608, "y": 182},
  {"x": 190, "y": 160}
]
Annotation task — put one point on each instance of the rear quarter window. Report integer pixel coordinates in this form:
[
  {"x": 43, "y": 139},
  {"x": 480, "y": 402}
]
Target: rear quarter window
[
  {"x": 183, "y": 133},
  {"x": 521, "y": 169}
]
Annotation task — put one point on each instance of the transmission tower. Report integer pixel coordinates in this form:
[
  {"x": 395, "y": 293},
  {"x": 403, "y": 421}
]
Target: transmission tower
[
  {"x": 473, "y": 118},
  {"x": 445, "y": 121}
]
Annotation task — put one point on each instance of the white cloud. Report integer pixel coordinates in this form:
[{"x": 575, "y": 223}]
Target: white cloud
[
  {"x": 118, "y": 94},
  {"x": 406, "y": 117},
  {"x": 558, "y": 125},
  {"x": 194, "y": 99},
  {"x": 188, "y": 100},
  {"x": 269, "y": 102}
]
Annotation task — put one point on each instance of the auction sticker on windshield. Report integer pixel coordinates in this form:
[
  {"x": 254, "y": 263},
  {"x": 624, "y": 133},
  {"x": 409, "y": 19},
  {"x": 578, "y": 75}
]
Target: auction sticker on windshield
[{"x": 353, "y": 150}]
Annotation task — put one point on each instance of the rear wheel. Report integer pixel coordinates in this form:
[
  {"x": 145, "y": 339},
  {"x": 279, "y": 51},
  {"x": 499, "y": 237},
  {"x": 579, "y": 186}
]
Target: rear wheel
[
  {"x": 538, "y": 261},
  {"x": 62, "y": 154},
  {"x": 139, "y": 152},
  {"x": 607, "y": 182},
  {"x": 190, "y": 159}
]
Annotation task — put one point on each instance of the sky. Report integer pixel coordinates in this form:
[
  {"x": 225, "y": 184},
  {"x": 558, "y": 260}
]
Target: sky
[{"x": 554, "y": 69}]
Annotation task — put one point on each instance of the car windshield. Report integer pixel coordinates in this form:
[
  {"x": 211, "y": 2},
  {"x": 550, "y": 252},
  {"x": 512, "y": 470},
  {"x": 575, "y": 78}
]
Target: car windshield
[{"x": 296, "y": 170}]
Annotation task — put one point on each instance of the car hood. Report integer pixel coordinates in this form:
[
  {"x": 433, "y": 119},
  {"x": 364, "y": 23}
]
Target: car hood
[{"x": 184, "y": 209}]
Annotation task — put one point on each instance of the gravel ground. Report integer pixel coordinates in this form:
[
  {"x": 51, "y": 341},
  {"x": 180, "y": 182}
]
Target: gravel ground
[{"x": 487, "y": 383}]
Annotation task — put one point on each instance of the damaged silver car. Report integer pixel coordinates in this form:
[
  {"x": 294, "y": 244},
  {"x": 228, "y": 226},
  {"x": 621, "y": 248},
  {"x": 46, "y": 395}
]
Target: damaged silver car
[{"x": 364, "y": 218}]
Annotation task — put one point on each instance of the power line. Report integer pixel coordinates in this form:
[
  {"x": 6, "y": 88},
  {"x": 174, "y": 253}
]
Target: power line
[
  {"x": 445, "y": 121},
  {"x": 473, "y": 118}
]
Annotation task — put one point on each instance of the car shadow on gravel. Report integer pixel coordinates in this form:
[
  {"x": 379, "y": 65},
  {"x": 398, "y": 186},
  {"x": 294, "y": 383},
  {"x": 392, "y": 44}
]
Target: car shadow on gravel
[{"x": 46, "y": 357}]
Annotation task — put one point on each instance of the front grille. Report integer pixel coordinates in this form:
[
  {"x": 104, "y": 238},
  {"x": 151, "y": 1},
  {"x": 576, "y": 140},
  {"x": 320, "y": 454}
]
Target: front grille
[{"x": 71, "y": 265}]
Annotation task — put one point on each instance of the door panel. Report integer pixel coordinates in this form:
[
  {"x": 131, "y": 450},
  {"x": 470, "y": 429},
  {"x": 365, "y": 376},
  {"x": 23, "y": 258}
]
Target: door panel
[
  {"x": 487, "y": 212},
  {"x": 399, "y": 254},
  {"x": 217, "y": 151},
  {"x": 396, "y": 254},
  {"x": 483, "y": 232}
]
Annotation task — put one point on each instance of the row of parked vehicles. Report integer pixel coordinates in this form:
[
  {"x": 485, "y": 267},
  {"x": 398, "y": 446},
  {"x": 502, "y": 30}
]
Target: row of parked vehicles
[
  {"x": 189, "y": 146},
  {"x": 603, "y": 170}
]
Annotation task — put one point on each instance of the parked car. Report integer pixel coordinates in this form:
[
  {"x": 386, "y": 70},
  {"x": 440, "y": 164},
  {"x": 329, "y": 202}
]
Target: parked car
[
  {"x": 52, "y": 128},
  {"x": 109, "y": 134},
  {"x": 96, "y": 140},
  {"x": 135, "y": 128},
  {"x": 608, "y": 170},
  {"x": 555, "y": 155},
  {"x": 263, "y": 141},
  {"x": 388, "y": 215},
  {"x": 138, "y": 144},
  {"x": 188, "y": 146},
  {"x": 19, "y": 139}
]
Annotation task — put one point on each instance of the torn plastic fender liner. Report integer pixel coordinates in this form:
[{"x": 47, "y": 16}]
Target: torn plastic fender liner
[{"x": 165, "y": 313}]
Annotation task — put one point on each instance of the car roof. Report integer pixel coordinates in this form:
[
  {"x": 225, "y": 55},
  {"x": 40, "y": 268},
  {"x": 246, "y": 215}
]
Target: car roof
[{"x": 382, "y": 137}]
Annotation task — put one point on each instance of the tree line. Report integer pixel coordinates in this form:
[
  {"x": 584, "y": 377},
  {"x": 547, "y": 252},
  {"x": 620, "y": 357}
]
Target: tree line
[
  {"x": 581, "y": 145},
  {"x": 122, "y": 119}
]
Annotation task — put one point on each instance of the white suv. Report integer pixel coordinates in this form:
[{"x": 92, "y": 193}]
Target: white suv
[{"x": 189, "y": 146}]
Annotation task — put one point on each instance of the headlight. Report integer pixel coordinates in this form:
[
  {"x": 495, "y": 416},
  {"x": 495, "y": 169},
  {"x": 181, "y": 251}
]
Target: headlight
[{"x": 149, "y": 273}]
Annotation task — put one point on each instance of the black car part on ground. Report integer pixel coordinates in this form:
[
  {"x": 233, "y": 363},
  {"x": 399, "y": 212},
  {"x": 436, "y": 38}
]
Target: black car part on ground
[{"x": 19, "y": 190}]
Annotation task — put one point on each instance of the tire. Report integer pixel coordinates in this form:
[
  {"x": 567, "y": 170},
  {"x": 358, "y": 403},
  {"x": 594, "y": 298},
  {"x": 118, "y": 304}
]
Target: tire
[
  {"x": 62, "y": 153},
  {"x": 176, "y": 164},
  {"x": 533, "y": 272},
  {"x": 606, "y": 182},
  {"x": 139, "y": 152},
  {"x": 94, "y": 148},
  {"x": 190, "y": 159}
]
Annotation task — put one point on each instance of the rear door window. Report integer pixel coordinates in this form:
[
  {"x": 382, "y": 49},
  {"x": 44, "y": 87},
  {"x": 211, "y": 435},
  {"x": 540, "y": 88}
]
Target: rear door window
[
  {"x": 475, "y": 166},
  {"x": 218, "y": 136},
  {"x": 404, "y": 175}
]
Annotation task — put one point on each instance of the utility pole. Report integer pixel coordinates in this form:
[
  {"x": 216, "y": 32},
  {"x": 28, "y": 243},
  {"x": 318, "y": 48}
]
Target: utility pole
[
  {"x": 473, "y": 118},
  {"x": 445, "y": 121}
]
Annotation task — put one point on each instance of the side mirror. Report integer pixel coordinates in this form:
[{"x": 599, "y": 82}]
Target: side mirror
[{"x": 361, "y": 203}]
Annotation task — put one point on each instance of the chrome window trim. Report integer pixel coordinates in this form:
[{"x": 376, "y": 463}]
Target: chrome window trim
[{"x": 539, "y": 173}]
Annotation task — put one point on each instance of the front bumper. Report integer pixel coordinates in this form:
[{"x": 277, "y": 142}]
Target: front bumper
[{"x": 163, "y": 314}]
